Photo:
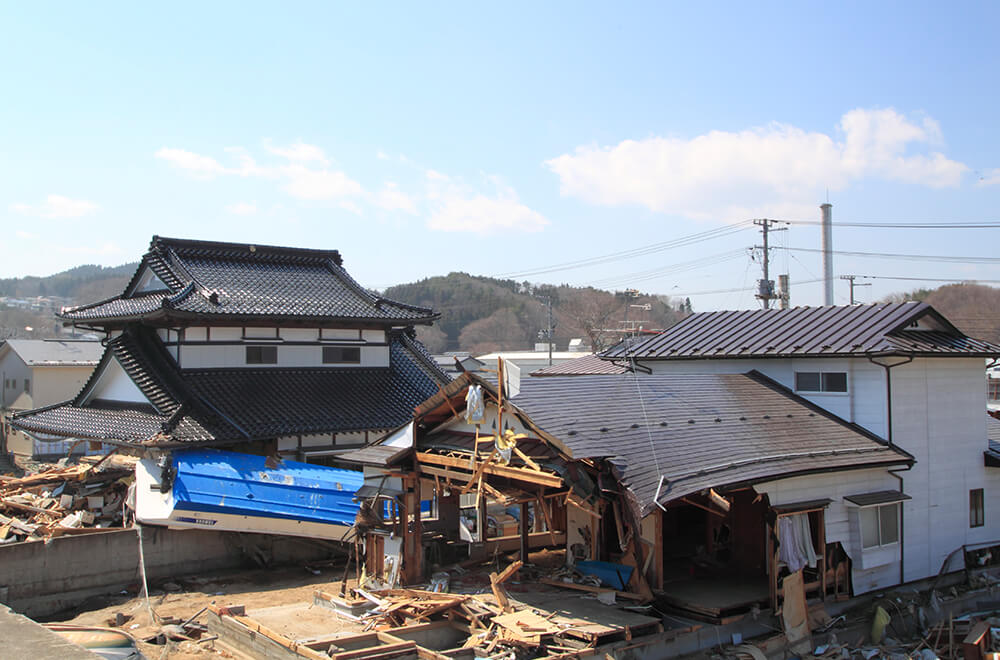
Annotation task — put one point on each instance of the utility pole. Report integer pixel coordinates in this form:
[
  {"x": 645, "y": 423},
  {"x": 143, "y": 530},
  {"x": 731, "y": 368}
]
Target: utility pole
[
  {"x": 850, "y": 279},
  {"x": 629, "y": 294},
  {"x": 549, "y": 332},
  {"x": 765, "y": 286}
]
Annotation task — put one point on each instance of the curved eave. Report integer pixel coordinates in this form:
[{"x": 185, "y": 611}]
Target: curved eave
[
  {"x": 167, "y": 316},
  {"x": 888, "y": 462}
]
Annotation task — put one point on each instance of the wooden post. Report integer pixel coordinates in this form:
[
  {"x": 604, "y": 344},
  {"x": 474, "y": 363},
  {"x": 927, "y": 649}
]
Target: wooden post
[
  {"x": 411, "y": 528},
  {"x": 658, "y": 548},
  {"x": 481, "y": 519},
  {"x": 524, "y": 532}
]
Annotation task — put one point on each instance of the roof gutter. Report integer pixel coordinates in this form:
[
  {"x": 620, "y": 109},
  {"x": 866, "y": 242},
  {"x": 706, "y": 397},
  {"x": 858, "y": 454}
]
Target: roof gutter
[{"x": 888, "y": 386}]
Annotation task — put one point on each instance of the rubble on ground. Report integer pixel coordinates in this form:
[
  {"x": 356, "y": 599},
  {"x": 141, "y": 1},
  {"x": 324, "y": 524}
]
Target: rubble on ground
[{"x": 65, "y": 499}]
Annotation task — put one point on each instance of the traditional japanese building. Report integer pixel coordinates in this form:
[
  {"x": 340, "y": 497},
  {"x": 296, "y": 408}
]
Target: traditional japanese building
[{"x": 268, "y": 350}]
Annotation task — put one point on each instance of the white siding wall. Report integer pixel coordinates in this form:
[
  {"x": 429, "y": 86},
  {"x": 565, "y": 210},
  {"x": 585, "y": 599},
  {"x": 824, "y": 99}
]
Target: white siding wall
[
  {"x": 207, "y": 356},
  {"x": 938, "y": 408},
  {"x": 836, "y": 486}
]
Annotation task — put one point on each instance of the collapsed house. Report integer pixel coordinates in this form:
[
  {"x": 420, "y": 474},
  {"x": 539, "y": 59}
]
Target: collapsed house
[
  {"x": 270, "y": 351},
  {"x": 899, "y": 370},
  {"x": 704, "y": 490}
]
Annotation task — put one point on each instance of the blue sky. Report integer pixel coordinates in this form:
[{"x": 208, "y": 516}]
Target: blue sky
[{"x": 425, "y": 138}]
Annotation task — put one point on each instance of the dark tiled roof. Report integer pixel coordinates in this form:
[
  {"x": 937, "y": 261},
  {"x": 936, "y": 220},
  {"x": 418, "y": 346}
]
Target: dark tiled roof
[
  {"x": 698, "y": 431},
  {"x": 587, "y": 365},
  {"x": 808, "y": 332},
  {"x": 239, "y": 282},
  {"x": 231, "y": 405}
]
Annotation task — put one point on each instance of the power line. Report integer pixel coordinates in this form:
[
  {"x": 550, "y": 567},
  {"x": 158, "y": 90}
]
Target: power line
[
  {"x": 904, "y": 225},
  {"x": 915, "y": 257},
  {"x": 634, "y": 252},
  {"x": 927, "y": 279}
]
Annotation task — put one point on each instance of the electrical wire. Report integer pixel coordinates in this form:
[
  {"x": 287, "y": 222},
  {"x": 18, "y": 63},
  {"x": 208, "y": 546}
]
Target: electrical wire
[
  {"x": 634, "y": 252},
  {"x": 903, "y": 225},
  {"x": 911, "y": 257}
]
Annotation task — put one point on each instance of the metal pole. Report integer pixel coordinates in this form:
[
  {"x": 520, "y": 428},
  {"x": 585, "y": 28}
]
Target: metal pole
[
  {"x": 548, "y": 336},
  {"x": 827, "y": 245}
]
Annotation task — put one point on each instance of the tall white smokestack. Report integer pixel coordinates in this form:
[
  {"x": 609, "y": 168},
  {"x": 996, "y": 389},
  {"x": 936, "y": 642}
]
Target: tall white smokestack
[{"x": 827, "y": 210}]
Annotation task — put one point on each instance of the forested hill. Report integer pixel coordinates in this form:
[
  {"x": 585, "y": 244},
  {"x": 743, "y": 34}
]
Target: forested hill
[
  {"x": 29, "y": 305},
  {"x": 81, "y": 283},
  {"x": 973, "y": 308},
  {"x": 482, "y": 314}
]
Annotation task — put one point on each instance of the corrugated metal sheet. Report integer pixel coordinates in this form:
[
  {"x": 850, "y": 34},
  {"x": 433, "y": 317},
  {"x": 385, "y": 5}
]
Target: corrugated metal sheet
[
  {"x": 808, "y": 332},
  {"x": 581, "y": 366},
  {"x": 696, "y": 431}
]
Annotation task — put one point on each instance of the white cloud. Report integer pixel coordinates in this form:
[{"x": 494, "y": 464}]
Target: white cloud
[
  {"x": 756, "y": 171},
  {"x": 56, "y": 206},
  {"x": 242, "y": 208},
  {"x": 301, "y": 180},
  {"x": 26, "y": 235},
  {"x": 305, "y": 183},
  {"x": 197, "y": 164},
  {"x": 301, "y": 153},
  {"x": 458, "y": 208},
  {"x": 391, "y": 198}
]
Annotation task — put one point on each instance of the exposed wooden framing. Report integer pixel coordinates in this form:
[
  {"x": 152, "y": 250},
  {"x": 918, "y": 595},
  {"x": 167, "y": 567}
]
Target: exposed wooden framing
[
  {"x": 527, "y": 460},
  {"x": 448, "y": 401},
  {"x": 775, "y": 590},
  {"x": 658, "y": 548},
  {"x": 541, "y": 478},
  {"x": 524, "y": 531},
  {"x": 714, "y": 512},
  {"x": 588, "y": 511},
  {"x": 544, "y": 507},
  {"x": 475, "y": 475}
]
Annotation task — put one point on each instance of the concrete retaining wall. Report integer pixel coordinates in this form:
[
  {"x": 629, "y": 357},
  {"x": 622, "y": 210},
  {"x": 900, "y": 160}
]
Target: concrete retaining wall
[{"x": 41, "y": 578}]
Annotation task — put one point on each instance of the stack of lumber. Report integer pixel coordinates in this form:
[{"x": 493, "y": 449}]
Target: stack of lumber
[
  {"x": 77, "y": 499},
  {"x": 399, "y": 607}
]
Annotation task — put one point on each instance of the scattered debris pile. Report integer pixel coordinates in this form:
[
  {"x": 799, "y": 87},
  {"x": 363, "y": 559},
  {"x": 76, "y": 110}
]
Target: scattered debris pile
[{"x": 77, "y": 499}]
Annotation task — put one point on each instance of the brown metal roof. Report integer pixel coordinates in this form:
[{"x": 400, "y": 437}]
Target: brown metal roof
[
  {"x": 882, "y": 328},
  {"x": 588, "y": 365},
  {"x": 696, "y": 431}
]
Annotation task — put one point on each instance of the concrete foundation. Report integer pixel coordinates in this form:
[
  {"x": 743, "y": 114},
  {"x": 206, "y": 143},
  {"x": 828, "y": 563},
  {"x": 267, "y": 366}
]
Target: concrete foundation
[{"x": 44, "y": 577}]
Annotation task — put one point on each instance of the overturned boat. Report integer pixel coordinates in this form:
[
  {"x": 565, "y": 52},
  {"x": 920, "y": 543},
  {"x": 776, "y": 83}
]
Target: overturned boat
[{"x": 228, "y": 491}]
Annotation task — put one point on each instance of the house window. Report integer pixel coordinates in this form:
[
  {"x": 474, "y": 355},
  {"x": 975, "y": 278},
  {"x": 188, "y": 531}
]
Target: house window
[
  {"x": 993, "y": 389},
  {"x": 879, "y": 525},
  {"x": 262, "y": 355},
  {"x": 341, "y": 355},
  {"x": 27, "y": 385},
  {"x": 976, "y": 510},
  {"x": 820, "y": 381}
]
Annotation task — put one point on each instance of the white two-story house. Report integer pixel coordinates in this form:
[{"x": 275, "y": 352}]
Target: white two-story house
[
  {"x": 900, "y": 371},
  {"x": 267, "y": 350}
]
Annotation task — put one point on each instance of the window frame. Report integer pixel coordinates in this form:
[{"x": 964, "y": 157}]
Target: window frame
[
  {"x": 993, "y": 389},
  {"x": 823, "y": 382},
  {"x": 977, "y": 508},
  {"x": 878, "y": 513},
  {"x": 262, "y": 353},
  {"x": 341, "y": 350}
]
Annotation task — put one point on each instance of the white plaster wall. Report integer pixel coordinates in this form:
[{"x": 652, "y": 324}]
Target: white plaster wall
[
  {"x": 207, "y": 356},
  {"x": 116, "y": 385},
  {"x": 836, "y": 486}
]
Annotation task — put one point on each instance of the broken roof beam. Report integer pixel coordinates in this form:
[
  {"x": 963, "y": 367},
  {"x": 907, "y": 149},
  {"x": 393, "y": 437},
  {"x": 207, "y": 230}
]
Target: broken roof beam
[{"x": 510, "y": 472}]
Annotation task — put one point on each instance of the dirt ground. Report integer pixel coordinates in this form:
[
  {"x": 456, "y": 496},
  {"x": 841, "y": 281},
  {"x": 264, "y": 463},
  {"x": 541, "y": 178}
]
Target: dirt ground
[{"x": 183, "y": 598}]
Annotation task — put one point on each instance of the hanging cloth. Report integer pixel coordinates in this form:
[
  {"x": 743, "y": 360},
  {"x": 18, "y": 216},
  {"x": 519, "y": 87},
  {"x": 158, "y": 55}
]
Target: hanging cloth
[
  {"x": 796, "y": 548},
  {"x": 475, "y": 411}
]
